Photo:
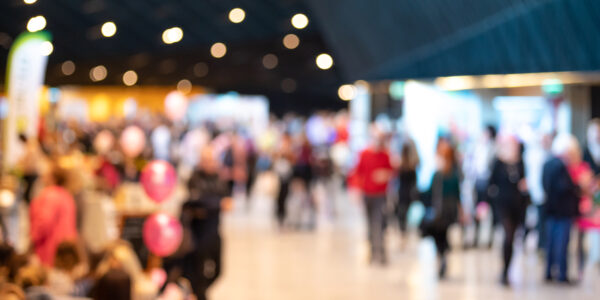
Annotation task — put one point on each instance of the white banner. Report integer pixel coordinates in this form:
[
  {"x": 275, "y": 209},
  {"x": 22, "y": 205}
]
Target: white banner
[{"x": 27, "y": 61}]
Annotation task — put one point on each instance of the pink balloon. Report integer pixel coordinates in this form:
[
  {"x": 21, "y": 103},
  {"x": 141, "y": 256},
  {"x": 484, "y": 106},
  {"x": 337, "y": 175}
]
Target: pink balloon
[
  {"x": 158, "y": 180},
  {"x": 175, "y": 106},
  {"x": 133, "y": 141},
  {"x": 162, "y": 234}
]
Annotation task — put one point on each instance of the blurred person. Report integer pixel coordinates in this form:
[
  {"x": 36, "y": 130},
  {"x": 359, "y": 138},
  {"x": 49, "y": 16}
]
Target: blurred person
[
  {"x": 68, "y": 267},
  {"x": 561, "y": 207},
  {"x": 199, "y": 256},
  {"x": 374, "y": 171},
  {"x": 483, "y": 158},
  {"x": 9, "y": 291},
  {"x": 444, "y": 207},
  {"x": 234, "y": 162},
  {"x": 407, "y": 177},
  {"x": 508, "y": 192},
  {"x": 302, "y": 179},
  {"x": 583, "y": 176},
  {"x": 591, "y": 153},
  {"x": 29, "y": 165},
  {"x": 115, "y": 284},
  {"x": 52, "y": 217},
  {"x": 120, "y": 255},
  {"x": 282, "y": 165}
]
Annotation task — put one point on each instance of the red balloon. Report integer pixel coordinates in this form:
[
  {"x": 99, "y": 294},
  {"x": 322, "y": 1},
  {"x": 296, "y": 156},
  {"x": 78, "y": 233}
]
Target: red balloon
[
  {"x": 158, "y": 180},
  {"x": 162, "y": 234}
]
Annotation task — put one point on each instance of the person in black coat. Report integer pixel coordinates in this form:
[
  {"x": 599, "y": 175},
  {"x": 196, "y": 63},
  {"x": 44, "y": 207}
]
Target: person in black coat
[
  {"x": 407, "y": 177},
  {"x": 508, "y": 192},
  {"x": 562, "y": 206},
  {"x": 199, "y": 256}
]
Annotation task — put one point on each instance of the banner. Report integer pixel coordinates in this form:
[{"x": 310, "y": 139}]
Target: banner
[{"x": 24, "y": 78}]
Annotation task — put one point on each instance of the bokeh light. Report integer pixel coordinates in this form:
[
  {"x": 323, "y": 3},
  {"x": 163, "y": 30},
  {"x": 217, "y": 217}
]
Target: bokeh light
[
  {"x": 289, "y": 85},
  {"x": 270, "y": 61},
  {"x": 108, "y": 29},
  {"x": 68, "y": 68},
  {"x": 324, "y": 61},
  {"x": 172, "y": 35},
  {"x": 237, "y": 15},
  {"x": 98, "y": 73},
  {"x": 299, "y": 21},
  {"x": 46, "y": 48},
  {"x": 291, "y": 41},
  {"x": 36, "y": 23},
  {"x": 218, "y": 50},
  {"x": 184, "y": 86},
  {"x": 200, "y": 69},
  {"x": 130, "y": 78},
  {"x": 347, "y": 92}
]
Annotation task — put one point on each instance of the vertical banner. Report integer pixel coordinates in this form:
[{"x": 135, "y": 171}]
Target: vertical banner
[{"x": 27, "y": 61}]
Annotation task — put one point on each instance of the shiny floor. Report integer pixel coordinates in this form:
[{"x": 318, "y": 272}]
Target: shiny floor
[{"x": 261, "y": 262}]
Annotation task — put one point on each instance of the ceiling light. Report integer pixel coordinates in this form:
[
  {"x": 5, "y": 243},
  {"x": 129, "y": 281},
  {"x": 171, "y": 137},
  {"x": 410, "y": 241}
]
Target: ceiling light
[
  {"x": 218, "y": 50},
  {"x": 270, "y": 61},
  {"x": 184, "y": 86},
  {"x": 299, "y": 21},
  {"x": 98, "y": 73},
  {"x": 47, "y": 48},
  {"x": 130, "y": 78},
  {"x": 291, "y": 41},
  {"x": 288, "y": 85},
  {"x": 237, "y": 15},
  {"x": 109, "y": 29},
  {"x": 36, "y": 23},
  {"x": 324, "y": 61},
  {"x": 200, "y": 69},
  {"x": 68, "y": 68},
  {"x": 30, "y": 1},
  {"x": 347, "y": 92},
  {"x": 172, "y": 35}
]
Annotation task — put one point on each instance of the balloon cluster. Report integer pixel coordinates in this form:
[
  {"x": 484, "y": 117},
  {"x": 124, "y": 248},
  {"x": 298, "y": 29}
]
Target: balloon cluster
[{"x": 162, "y": 233}]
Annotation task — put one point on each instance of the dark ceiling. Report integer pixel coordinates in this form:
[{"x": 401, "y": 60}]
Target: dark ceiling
[
  {"x": 75, "y": 26},
  {"x": 368, "y": 39},
  {"x": 429, "y": 38}
]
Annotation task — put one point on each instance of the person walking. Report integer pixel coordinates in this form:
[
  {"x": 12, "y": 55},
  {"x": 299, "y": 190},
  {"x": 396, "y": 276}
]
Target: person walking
[
  {"x": 407, "y": 178},
  {"x": 444, "y": 206},
  {"x": 561, "y": 208},
  {"x": 508, "y": 192},
  {"x": 374, "y": 171}
]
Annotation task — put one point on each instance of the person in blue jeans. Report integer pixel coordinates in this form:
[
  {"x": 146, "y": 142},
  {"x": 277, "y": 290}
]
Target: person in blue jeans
[{"x": 561, "y": 208}]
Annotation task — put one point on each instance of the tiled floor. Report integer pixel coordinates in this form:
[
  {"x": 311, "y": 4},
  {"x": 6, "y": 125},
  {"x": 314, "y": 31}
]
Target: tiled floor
[{"x": 262, "y": 263}]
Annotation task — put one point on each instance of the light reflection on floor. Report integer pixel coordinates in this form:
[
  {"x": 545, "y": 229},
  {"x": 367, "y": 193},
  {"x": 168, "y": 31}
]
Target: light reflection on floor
[{"x": 262, "y": 263}]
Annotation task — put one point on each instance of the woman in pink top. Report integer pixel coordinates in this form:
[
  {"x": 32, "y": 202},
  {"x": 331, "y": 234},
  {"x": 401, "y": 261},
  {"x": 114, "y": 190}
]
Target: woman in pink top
[
  {"x": 589, "y": 219},
  {"x": 52, "y": 217}
]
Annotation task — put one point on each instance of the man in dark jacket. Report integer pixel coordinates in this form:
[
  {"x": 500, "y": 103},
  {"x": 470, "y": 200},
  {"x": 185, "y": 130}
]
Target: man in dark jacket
[{"x": 562, "y": 200}]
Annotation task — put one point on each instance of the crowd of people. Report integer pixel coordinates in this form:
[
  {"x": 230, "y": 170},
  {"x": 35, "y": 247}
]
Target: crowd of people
[{"x": 78, "y": 185}]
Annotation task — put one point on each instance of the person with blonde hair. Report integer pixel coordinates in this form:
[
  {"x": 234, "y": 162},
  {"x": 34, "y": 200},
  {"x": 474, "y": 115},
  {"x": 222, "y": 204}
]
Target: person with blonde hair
[{"x": 561, "y": 208}]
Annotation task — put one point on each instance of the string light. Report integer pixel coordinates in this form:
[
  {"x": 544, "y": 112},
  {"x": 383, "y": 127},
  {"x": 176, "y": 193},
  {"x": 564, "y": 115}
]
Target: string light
[
  {"x": 130, "y": 78},
  {"x": 218, "y": 50},
  {"x": 291, "y": 41},
  {"x": 172, "y": 35},
  {"x": 108, "y": 29},
  {"x": 324, "y": 61},
  {"x": 299, "y": 21},
  {"x": 36, "y": 23},
  {"x": 237, "y": 15}
]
